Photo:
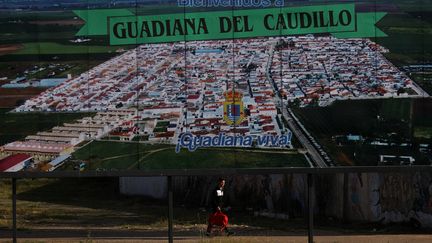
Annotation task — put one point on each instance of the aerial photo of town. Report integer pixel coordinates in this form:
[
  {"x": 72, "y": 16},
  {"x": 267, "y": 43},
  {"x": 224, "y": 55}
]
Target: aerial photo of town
[{"x": 345, "y": 101}]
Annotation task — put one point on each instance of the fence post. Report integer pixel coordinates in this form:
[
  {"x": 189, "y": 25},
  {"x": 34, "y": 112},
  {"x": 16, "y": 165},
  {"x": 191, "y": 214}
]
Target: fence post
[
  {"x": 170, "y": 211},
  {"x": 345, "y": 198},
  {"x": 310, "y": 208},
  {"x": 14, "y": 211}
]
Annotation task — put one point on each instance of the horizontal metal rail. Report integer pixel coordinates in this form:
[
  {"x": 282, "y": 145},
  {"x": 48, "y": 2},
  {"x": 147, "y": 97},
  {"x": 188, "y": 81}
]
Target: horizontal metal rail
[{"x": 209, "y": 172}]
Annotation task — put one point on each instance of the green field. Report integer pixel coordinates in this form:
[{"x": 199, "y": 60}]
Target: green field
[
  {"x": 133, "y": 156},
  {"x": 423, "y": 132},
  {"x": 409, "y": 33},
  {"x": 15, "y": 126},
  {"x": 395, "y": 120},
  {"x": 51, "y": 48},
  {"x": 358, "y": 117},
  {"x": 220, "y": 158},
  {"x": 408, "y": 38}
]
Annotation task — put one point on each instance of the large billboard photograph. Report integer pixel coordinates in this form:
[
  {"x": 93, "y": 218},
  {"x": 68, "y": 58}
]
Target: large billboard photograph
[{"x": 165, "y": 84}]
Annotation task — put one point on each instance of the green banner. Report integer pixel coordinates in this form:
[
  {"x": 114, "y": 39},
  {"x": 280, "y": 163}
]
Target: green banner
[{"x": 123, "y": 27}]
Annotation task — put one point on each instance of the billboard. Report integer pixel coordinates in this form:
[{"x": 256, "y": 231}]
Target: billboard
[{"x": 157, "y": 85}]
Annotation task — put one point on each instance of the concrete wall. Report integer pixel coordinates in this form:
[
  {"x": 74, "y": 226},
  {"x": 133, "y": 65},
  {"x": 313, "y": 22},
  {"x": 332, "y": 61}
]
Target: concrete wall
[
  {"x": 384, "y": 198},
  {"x": 155, "y": 187}
]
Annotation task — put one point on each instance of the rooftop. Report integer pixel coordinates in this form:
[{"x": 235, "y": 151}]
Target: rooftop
[{"x": 13, "y": 160}]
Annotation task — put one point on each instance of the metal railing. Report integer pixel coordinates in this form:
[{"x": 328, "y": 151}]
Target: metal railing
[{"x": 169, "y": 174}]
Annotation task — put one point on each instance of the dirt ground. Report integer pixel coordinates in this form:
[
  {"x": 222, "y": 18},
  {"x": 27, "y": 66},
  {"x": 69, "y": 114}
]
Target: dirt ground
[
  {"x": 12, "y": 97},
  {"x": 187, "y": 237},
  {"x": 7, "y": 49}
]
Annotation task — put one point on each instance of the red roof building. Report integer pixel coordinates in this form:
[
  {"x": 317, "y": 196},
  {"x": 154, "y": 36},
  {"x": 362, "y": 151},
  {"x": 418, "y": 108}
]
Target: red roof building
[{"x": 14, "y": 162}]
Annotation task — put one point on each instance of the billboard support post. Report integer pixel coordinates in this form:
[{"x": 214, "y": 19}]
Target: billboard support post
[
  {"x": 170, "y": 210},
  {"x": 310, "y": 207},
  {"x": 14, "y": 211}
]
